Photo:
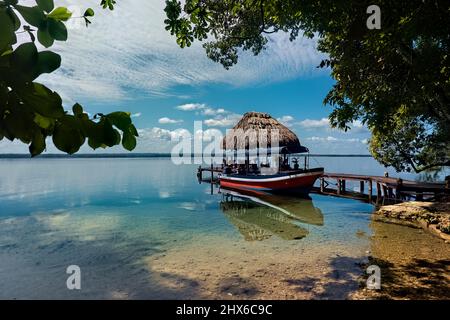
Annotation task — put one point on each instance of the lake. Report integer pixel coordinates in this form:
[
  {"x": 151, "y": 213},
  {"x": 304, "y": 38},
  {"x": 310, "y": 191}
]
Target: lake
[{"x": 146, "y": 229}]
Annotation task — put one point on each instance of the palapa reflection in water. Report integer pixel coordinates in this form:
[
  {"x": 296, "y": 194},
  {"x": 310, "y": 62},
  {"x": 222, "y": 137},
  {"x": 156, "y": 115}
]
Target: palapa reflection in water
[{"x": 258, "y": 216}]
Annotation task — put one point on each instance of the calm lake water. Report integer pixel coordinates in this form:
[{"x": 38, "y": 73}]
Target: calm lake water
[{"x": 145, "y": 228}]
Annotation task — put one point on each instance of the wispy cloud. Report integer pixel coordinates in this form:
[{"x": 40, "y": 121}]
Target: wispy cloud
[
  {"x": 286, "y": 120},
  {"x": 334, "y": 139},
  {"x": 129, "y": 48},
  {"x": 166, "y": 120},
  {"x": 223, "y": 121},
  {"x": 315, "y": 124},
  {"x": 191, "y": 106},
  {"x": 136, "y": 115},
  {"x": 213, "y": 112},
  {"x": 324, "y": 124}
]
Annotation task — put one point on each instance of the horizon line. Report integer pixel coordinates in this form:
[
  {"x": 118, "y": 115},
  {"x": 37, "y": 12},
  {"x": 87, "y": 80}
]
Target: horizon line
[{"x": 137, "y": 155}]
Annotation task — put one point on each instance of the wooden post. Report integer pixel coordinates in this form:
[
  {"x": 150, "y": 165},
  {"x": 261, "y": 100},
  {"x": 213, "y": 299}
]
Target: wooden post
[
  {"x": 322, "y": 185},
  {"x": 343, "y": 186},
  {"x": 212, "y": 177},
  {"x": 212, "y": 172},
  {"x": 361, "y": 187},
  {"x": 385, "y": 191},
  {"x": 419, "y": 196},
  {"x": 199, "y": 173},
  {"x": 339, "y": 186},
  {"x": 370, "y": 190},
  {"x": 391, "y": 193},
  {"x": 378, "y": 192}
]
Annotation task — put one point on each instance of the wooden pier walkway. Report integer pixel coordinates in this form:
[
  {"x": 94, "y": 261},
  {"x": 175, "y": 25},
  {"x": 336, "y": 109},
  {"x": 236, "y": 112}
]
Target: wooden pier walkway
[{"x": 372, "y": 189}]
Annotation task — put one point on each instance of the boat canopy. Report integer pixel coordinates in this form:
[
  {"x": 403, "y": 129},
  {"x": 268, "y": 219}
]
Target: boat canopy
[{"x": 257, "y": 130}]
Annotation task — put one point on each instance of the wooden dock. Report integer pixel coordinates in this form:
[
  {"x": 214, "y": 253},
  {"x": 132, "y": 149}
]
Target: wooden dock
[
  {"x": 371, "y": 189},
  {"x": 380, "y": 190}
]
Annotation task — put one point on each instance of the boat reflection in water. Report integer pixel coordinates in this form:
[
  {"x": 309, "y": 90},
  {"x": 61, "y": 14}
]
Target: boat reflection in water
[{"x": 258, "y": 216}]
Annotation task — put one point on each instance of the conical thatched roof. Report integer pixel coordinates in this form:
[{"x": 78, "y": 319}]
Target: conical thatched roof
[{"x": 257, "y": 121}]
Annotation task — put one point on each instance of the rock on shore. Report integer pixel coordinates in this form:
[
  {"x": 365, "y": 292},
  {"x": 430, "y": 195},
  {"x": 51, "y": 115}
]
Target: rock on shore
[{"x": 434, "y": 216}]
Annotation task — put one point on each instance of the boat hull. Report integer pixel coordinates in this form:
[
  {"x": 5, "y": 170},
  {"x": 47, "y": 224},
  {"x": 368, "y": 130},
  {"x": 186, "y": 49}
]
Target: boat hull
[{"x": 285, "y": 183}]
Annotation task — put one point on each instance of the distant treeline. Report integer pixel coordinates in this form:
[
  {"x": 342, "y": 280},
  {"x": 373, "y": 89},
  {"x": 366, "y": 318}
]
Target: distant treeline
[{"x": 139, "y": 155}]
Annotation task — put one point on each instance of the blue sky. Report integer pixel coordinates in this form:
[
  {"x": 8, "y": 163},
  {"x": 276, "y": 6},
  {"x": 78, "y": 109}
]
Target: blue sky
[{"x": 127, "y": 61}]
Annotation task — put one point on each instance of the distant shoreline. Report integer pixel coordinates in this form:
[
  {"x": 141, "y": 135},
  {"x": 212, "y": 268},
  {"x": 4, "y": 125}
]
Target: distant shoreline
[{"x": 142, "y": 155}]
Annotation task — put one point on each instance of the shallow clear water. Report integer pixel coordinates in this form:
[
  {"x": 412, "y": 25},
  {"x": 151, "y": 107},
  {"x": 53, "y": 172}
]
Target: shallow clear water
[{"x": 145, "y": 228}]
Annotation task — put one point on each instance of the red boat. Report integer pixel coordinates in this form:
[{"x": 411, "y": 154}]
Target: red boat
[{"x": 295, "y": 181}]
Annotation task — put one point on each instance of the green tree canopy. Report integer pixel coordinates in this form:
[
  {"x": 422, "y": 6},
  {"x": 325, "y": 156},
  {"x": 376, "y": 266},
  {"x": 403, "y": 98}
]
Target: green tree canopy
[
  {"x": 396, "y": 79},
  {"x": 31, "y": 112}
]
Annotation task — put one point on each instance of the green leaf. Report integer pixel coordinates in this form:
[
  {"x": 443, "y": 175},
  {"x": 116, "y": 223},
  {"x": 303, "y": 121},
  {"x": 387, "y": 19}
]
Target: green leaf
[
  {"x": 32, "y": 15},
  {"x": 121, "y": 120},
  {"x": 128, "y": 141},
  {"x": 48, "y": 62},
  {"x": 7, "y": 52},
  {"x": 45, "y": 38},
  {"x": 77, "y": 109},
  {"x": 14, "y": 18},
  {"x": 93, "y": 143},
  {"x": 67, "y": 139},
  {"x": 60, "y": 14},
  {"x": 133, "y": 130},
  {"x": 89, "y": 13},
  {"x": 46, "y": 5},
  {"x": 7, "y": 35},
  {"x": 42, "y": 100},
  {"x": 57, "y": 30},
  {"x": 25, "y": 56},
  {"x": 37, "y": 144},
  {"x": 43, "y": 122},
  {"x": 19, "y": 124}
]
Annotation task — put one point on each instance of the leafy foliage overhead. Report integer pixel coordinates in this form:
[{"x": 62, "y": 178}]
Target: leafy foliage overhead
[
  {"x": 31, "y": 112},
  {"x": 395, "y": 79}
]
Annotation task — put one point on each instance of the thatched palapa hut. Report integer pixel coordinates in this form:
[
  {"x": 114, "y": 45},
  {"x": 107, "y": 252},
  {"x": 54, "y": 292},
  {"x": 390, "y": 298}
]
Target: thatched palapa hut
[{"x": 262, "y": 125}]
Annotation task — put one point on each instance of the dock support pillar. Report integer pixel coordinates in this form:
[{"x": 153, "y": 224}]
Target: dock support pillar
[
  {"x": 339, "y": 186},
  {"x": 378, "y": 192},
  {"x": 370, "y": 190},
  {"x": 212, "y": 173},
  {"x": 343, "y": 186},
  {"x": 212, "y": 178},
  {"x": 361, "y": 187},
  {"x": 322, "y": 185}
]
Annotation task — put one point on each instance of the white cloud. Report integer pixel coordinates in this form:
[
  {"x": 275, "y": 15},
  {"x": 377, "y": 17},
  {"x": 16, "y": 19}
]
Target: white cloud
[
  {"x": 358, "y": 127},
  {"x": 191, "y": 107},
  {"x": 136, "y": 115},
  {"x": 213, "y": 112},
  {"x": 223, "y": 121},
  {"x": 324, "y": 124},
  {"x": 286, "y": 120},
  {"x": 336, "y": 145},
  {"x": 315, "y": 124},
  {"x": 166, "y": 120},
  {"x": 162, "y": 134},
  {"x": 334, "y": 139},
  {"x": 209, "y": 135},
  {"x": 129, "y": 48}
]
